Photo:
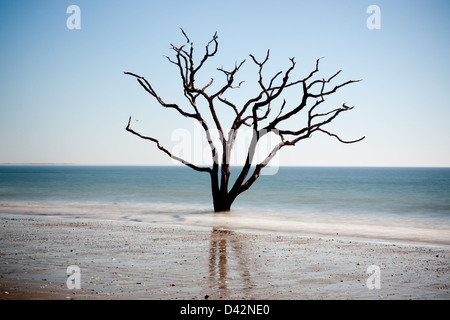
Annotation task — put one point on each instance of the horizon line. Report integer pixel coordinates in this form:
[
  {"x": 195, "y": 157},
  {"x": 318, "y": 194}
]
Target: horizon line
[{"x": 182, "y": 166}]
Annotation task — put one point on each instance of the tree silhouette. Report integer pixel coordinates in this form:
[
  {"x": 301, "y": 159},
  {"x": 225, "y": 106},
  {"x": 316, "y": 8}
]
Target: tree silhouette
[{"x": 257, "y": 113}]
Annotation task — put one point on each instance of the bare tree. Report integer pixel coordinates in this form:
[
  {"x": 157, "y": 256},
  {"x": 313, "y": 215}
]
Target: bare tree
[{"x": 257, "y": 113}]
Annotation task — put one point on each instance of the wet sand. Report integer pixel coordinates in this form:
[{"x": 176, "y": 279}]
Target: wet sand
[{"x": 131, "y": 260}]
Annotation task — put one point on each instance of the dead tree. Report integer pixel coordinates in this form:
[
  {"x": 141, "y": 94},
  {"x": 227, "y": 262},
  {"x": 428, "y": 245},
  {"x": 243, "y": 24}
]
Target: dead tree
[{"x": 257, "y": 113}]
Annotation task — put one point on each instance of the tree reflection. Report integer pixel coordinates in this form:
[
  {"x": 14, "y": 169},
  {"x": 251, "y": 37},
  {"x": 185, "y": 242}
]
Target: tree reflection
[{"x": 228, "y": 264}]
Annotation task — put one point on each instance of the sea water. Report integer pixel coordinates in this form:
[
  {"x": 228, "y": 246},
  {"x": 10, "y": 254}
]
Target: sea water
[{"x": 411, "y": 204}]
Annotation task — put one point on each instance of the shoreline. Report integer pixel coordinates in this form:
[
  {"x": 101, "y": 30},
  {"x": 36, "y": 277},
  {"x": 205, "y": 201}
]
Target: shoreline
[
  {"x": 135, "y": 260},
  {"x": 368, "y": 228}
]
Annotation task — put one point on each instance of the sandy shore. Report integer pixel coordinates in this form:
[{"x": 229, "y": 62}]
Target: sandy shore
[{"x": 126, "y": 260}]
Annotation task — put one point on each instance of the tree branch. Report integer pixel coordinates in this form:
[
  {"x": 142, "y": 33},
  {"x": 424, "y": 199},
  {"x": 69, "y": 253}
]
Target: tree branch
[
  {"x": 146, "y": 85},
  {"x": 207, "y": 53},
  {"x": 334, "y": 135},
  {"x": 230, "y": 79},
  {"x": 160, "y": 147},
  {"x": 255, "y": 175},
  {"x": 184, "y": 34}
]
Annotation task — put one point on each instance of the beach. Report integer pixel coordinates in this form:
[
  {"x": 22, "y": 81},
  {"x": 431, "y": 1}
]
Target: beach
[{"x": 135, "y": 260}]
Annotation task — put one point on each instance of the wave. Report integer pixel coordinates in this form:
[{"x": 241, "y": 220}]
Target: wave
[{"x": 302, "y": 223}]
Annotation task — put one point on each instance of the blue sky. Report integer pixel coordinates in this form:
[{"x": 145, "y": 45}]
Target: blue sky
[{"x": 64, "y": 97}]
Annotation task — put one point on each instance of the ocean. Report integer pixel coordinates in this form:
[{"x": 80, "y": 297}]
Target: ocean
[{"x": 409, "y": 204}]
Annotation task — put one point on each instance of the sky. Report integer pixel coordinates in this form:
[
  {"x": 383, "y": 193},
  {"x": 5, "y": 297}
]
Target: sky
[{"x": 64, "y": 97}]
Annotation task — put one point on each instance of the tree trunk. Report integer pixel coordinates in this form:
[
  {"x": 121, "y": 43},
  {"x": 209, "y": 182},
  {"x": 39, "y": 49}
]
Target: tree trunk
[
  {"x": 221, "y": 203},
  {"x": 221, "y": 200}
]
